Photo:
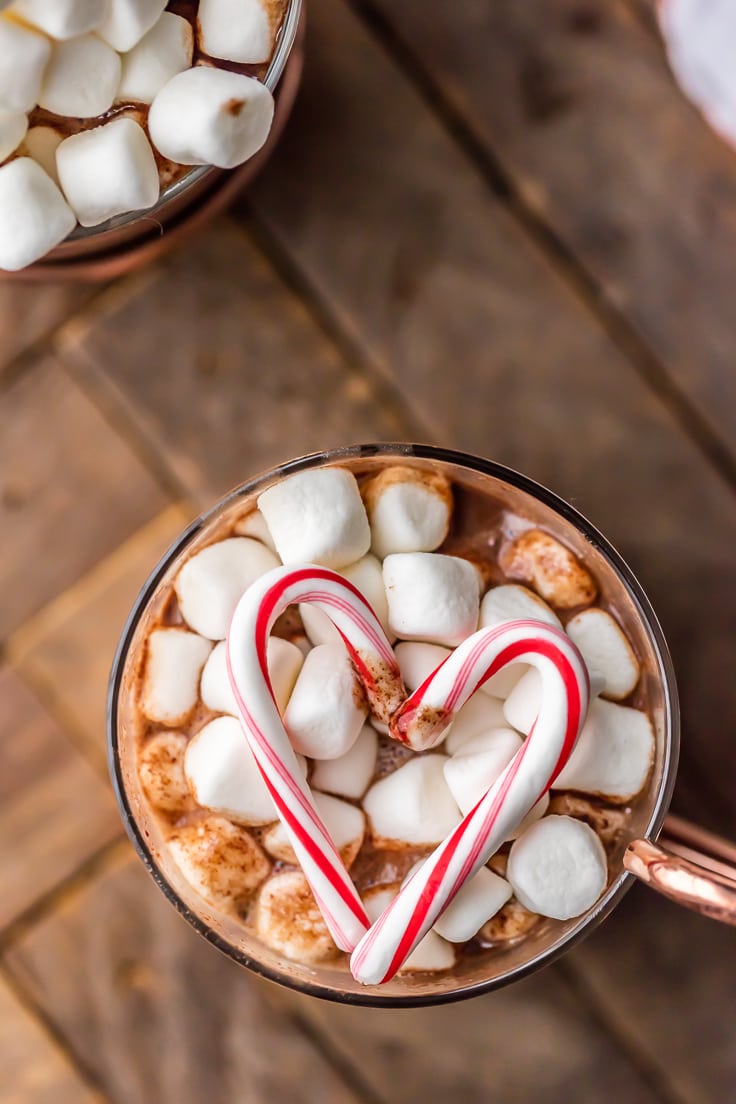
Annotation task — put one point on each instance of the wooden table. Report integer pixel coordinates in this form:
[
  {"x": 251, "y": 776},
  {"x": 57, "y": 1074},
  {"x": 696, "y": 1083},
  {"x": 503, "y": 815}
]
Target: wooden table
[{"x": 494, "y": 224}]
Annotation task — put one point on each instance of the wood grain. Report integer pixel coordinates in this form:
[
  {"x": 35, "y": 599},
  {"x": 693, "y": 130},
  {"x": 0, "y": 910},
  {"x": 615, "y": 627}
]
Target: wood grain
[
  {"x": 156, "y": 1013},
  {"x": 34, "y": 1070},
  {"x": 29, "y": 313},
  {"x": 65, "y": 652},
  {"x": 54, "y": 810},
  {"x": 577, "y": 104},
  {"x": 244, "y": 378},
  {"x": 70, "y": 490}
]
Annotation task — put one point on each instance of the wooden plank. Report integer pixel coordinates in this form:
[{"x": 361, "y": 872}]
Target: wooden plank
[
  {"x": 243, "y": 379},
  {"x": 54, "y": 811},
  {"x": 65, "y": 652},
  {"x": 30, "y": 312},
  {"x": 34, "y": 1070},
  {"x": 70, "y": 490},
  {"x": 159, "y": 1015},
  {"x": 578, "y": 105}
]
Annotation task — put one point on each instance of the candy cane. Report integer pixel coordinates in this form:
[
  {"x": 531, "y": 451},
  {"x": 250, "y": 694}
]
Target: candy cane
[
  {"x": 565, "y": 694},
  {"x": 247, "y": 666}
]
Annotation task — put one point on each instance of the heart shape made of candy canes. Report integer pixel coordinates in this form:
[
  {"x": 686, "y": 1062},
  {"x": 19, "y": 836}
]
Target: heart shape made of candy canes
[{"x": 419, "y": 720}]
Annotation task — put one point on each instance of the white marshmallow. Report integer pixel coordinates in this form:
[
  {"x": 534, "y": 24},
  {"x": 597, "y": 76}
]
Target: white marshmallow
[
  {"x": 173, "y": 665},
  {"x": 23, "y": 57},
  {"x": 237, "y": 30},
  {"x": 431, "y": 597},
  {"x": 349, "y": 775},
  {"x": 408, "y": 510},
  {"x": 511, "y": 602},
  {"x": 34, "y": 216},
  {"x": 81, "y": 78},
  {"x": 367, "y": 576},
  {"x": 480, "y": 714},
  {"x": 127, "y": 21},
  {"x": 163, "y": 52},
  {"x": 554, "y": 571},
  {"x": 605, "y": 648},
  {"x": 254, "y": 525},
  {"x": 62, "y": 18},
  {"x": 477, "y": 901},
  {"x": 521, "y": 707},
  {"x": 284, "y": 663},
  {"x": 211, "y": 583},
  {"x": 161, "y": 771},
  {"x": 326, "y": 709},
  {"x": 378, "y": 898},
  {"x": 220, "y": 860},
  {"x": 317, "y": 517},
  {"x": 503, "y": 682},
  {"x": 345, "y": 824},
  {"x": 413, "y": 805},
  {"x": 207, "y": 116},
  {"x": 108, "y": 171},
  {"x": 418, "y": 660},
  {"x": 431, "y": 955},
  {"x": 558, "y": 867},
  {"x": 613, "y": 755},
  {"x": 223, "y": 774},
  {"x": 480, "y": 762},
  {"x": 41, "y": 143},
  {"x": 13, "y": 127},
  {"x": 288, "y": 919}
]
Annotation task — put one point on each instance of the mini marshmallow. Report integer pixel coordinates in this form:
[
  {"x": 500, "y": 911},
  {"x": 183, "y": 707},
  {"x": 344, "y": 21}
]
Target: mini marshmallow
[
  {"x": 345, "y": 824},
  {"x": 317, "y": 517},
  {"x": 412, "y": 805},
  {"x": 288, "y": 919},
  {"x": 173, "y": 665},
  {"x": 605, "y": 648},
  {"x": 367, "y": 576},
  {"x": 34, "y": 216},
  {"x": 207, "y": 116},
  {"x": 408, "y": 510},
  {"x": 326, "y": 709},
  {"x": 476, "y": 901},
  {"x": 254, "y": 525},
  {"x": 163, "y": 52},
  {"x": 41, "y": 143},
  {"x": 480, "y": 762},
  {"x": 558, "y": 867},
  {"x": 284, "y": 663},
  {"x": 211, "y": 583},
  {"x": 512, "y": 602},
  {"x": 13, "y": 127},
  {"x": 431, "y": 597},
  {"x": 220, "y": 860},
  {"x": 81, "y": 78},
  {"x": 521, "y": 707},
  {"x": 349, "y": 775},
  {"x": 108, "y": 171},
  {"x": 238, "y": 30},
  {"x": 480, "y": 714},
  {"x": 613, "y": 755},
  {"x": 62, "y": 18},
  {"x": 161, "y": 771},
  {"x": 551, "y": 568},
  {"x": 128, "y": 20},
  {"x": 23, "y": 57},
  {"x": 378, "y": 898},
  {"x": 418, "y": 660},
  {"x": 223, "y": 774},
  {"x": 431, "y": 955}
]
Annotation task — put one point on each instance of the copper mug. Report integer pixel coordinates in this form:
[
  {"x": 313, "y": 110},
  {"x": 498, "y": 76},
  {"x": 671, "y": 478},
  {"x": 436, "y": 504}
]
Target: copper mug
[{"x": 680, "y": 860}]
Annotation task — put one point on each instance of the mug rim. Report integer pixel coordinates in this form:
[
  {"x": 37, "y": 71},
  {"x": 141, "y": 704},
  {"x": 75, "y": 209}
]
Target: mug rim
[{"x": 620, "y": 885}]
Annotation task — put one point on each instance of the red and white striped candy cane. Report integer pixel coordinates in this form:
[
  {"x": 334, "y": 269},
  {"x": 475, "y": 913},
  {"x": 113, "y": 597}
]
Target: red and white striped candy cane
[
  {"x": 564, "y": 705},
  {"x": 247, "y": 666}
]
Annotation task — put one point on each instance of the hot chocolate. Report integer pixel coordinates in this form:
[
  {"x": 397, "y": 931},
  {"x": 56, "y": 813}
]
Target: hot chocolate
[{"x": 436, "y": 553}]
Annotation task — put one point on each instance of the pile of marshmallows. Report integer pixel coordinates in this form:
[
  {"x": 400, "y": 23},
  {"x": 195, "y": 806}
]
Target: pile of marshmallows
[
  {"x": 79, "y": 58},
  {"x": 383, "y": 541}
]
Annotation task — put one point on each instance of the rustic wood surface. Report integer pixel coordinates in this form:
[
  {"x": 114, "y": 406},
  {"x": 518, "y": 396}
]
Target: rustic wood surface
[{"x": 502, "y": 229}]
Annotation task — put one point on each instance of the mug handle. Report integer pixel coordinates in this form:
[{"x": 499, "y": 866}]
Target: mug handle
[{"x": 689, "y": 865}]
